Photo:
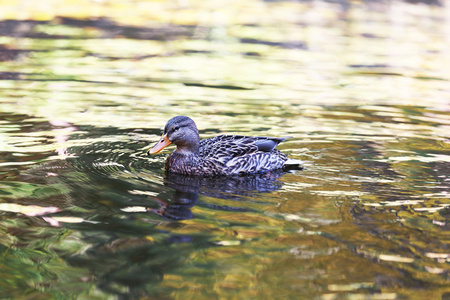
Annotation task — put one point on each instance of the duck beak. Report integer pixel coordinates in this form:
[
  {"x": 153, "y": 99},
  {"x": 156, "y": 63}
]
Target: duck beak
[{"x": 163, "y": 143}]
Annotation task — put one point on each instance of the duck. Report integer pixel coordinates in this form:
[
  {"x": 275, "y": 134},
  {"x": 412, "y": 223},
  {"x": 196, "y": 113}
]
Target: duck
[{"x": 219, "y": 155}]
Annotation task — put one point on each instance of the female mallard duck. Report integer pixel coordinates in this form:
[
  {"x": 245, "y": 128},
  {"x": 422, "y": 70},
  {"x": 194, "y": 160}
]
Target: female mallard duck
[{"x": 220, "y": 155}]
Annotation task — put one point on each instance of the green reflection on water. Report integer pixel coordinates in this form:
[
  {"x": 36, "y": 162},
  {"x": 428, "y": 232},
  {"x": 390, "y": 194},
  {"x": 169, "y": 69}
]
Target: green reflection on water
[{"x": 361, "y": 89}]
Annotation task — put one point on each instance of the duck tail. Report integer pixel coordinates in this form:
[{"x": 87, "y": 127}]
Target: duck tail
[{"x": 293, "y": 164}]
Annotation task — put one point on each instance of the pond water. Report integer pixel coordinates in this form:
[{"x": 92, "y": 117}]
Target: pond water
[{"x": 361, "y": 88}]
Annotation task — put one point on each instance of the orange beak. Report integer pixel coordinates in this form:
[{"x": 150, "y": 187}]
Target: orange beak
[{"x": 163, "y": 143}]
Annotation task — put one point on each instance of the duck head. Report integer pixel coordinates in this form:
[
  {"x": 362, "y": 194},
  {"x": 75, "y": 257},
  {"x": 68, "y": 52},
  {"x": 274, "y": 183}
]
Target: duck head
[{"x": 182, "y": 132}]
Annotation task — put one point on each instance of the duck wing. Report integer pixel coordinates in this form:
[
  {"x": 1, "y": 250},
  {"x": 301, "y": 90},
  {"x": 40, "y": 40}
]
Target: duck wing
[
  {"x": 226, "y": 147},
  {"x": 267, "y": 144},
  {"x": 234, "y": 154}
]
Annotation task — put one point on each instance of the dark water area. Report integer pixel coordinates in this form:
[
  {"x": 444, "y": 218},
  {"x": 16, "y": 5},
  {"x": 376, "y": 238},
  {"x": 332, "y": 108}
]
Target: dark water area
[{"x": 361, "y": 89}]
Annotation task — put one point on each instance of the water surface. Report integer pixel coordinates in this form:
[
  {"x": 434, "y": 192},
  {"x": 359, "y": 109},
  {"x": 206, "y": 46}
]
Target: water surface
[{"x": 361, "y": 88}]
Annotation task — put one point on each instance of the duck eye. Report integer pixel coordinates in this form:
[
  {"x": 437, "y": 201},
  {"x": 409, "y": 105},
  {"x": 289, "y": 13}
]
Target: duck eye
[{"x": 176, "y": 128}]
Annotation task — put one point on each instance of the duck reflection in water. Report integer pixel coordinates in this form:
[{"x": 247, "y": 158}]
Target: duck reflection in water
[{"x": 187, "y": 189}]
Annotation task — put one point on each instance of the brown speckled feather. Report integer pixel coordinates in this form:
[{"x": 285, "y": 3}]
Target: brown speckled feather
[{"x": 227, "y": 155}]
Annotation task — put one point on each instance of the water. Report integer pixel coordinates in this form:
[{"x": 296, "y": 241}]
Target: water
[{"x": 361, "y": 88}]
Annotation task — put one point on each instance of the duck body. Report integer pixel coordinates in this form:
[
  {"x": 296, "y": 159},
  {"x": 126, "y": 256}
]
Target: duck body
[
  {"x": 220, "y": 155},
  {"x": 228, "y": 155}
]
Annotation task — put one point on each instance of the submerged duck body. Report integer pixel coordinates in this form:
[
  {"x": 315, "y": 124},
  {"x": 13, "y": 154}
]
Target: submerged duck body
[{"x": 220, "y": 155}]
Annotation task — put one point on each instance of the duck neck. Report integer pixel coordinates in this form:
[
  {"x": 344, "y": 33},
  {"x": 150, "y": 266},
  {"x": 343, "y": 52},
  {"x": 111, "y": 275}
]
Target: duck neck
[
  {"x": 188, "y": 149},
  {"x": 190, "y": 145}
]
